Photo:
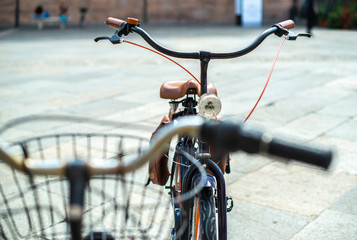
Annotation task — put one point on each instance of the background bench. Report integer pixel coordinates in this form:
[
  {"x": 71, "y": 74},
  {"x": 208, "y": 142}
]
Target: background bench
[{"x": 50, "y": 21}]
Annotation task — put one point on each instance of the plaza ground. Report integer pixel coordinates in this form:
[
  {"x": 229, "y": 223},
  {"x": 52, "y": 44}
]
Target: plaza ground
[{"x": 311, "y": 98}]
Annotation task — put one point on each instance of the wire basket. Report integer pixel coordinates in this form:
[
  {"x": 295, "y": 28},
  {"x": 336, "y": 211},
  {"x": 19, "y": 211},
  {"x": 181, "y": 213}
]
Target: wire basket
[{"x": 116, "y": 206}]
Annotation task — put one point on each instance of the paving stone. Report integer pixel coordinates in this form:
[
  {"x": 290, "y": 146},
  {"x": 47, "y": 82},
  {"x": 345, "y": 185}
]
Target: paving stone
[
  {"x": 232, "y": 177},
  {"x": 8, "y": 105},
  {"x": 342, "y": 107},
  {"x": 14, "y": 134},
  {"x": 245, "y": 163},
  {"x": 251, "y": 221},
  {"x": 345, "y": 130},
  {"x": 330, "y": 225},
  {"x": 102, "y": 107},
  {"x": 295, "y": 106},
  {"x": 24, "y": 110},
  {"x": 345, "y": 152},
  {"x": 148, "y": 95},
  {"x": 139, "y": 131},
  {"x": 310, "y": 126},
  {"x": 152, "y": 111},
  {"x": 347, "y": 203},
  {"x": 348, "y": 83},
  {"x": 292, "y": 188}
]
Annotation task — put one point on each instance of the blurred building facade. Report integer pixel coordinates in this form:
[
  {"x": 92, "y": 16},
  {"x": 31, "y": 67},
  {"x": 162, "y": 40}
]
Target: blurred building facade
[{"x": 153, "y": 11}]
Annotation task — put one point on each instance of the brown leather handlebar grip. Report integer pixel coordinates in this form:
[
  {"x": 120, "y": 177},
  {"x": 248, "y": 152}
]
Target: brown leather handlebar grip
[
  {"x": 114, "y": 22},
  {"x": 117, "y": 23},
  {"x": 288, "y": 24}
]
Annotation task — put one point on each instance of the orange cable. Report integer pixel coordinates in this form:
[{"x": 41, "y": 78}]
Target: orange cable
[
  {"x": 164, "y": 57},
  {"x": 266, "y": 84},
  {"x": 261, "y": 95},
  {"x": 197, "y": 222}
]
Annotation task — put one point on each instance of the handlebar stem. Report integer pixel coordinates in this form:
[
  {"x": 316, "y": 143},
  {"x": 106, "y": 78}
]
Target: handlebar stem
[{"x": 205, "y": 57}]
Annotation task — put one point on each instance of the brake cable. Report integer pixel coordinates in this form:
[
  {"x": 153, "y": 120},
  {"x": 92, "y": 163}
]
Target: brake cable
[
  {"x": 162, "y": 55},
  {"x": 265, "y": 86}
]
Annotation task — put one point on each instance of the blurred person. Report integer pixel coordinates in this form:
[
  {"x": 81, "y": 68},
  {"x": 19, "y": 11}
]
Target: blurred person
[
  {"x": 83, "y": 11},
  {"x": 293, "y": 11},
  {"x": 311, "y": 15},
  {"x": 63, "y": 9},
  {"x": 37, "y": 13}
]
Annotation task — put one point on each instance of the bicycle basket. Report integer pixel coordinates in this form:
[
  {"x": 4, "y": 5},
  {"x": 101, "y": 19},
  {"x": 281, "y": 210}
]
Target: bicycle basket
[{"x": 116, "y": 206}]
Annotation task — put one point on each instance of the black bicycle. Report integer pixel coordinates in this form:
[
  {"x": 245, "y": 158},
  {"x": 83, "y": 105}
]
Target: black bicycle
[{"x": 200, "y": 211}]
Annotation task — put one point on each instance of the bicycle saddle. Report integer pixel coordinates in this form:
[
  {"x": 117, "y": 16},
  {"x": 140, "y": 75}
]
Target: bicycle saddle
[{"x": 178, "y": 89}]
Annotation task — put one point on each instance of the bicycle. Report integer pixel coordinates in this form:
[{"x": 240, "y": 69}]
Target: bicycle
[
  {"x": 184, "y": 94},
  {"x": 36, "y": 176}
]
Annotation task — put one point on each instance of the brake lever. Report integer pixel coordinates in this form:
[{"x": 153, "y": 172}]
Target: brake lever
[
  {"x": 115, "y": 39},
  {"x": 293, "y": 36}
]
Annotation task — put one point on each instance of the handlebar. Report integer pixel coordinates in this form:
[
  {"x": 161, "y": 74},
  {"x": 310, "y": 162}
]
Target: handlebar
[
  {"x": 231, "y": 137},
  {"x": 132, "y": 25},
  {"x": 225, "y": 136}
]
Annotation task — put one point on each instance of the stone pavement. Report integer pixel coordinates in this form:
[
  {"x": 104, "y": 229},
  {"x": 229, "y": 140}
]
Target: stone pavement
[{"x": 311, "y": 97}]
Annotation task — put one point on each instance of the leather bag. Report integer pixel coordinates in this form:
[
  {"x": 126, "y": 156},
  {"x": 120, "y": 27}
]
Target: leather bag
[{"x": 158, "y": 169}]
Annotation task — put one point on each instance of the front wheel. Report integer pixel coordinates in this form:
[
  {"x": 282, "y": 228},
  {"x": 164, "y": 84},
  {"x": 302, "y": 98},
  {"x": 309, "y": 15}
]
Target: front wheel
[{"x": 205, "y": 217}]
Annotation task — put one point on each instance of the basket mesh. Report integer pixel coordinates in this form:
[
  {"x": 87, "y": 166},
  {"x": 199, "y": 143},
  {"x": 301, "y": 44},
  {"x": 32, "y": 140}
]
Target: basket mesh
[{"x": 116, "y": 206}]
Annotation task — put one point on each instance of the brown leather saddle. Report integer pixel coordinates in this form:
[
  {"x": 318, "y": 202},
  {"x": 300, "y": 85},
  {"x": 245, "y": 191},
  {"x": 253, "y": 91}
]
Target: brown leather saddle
[
  {"x": 158, "y": 169},
  {"x": 178, "y": 89}
]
